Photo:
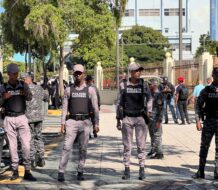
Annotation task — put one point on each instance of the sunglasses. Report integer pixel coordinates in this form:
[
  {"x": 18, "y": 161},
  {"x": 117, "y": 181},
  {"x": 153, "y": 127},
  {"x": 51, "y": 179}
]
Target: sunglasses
[{"x": 77, "y": 73}]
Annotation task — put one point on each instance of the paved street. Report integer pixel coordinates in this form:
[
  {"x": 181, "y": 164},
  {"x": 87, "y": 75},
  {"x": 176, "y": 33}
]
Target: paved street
[{"x": 104, "y": 162}]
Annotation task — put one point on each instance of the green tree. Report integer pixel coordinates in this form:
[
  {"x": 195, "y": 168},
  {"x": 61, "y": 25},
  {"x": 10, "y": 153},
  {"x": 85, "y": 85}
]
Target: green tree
[
  {"x": 206, "y": 44},
  {"x": 95, "y": 25},
  {"x": 144, "y": 44},
  {"x": 47, "y": 25},
  {"x": 43, "y": 26}
]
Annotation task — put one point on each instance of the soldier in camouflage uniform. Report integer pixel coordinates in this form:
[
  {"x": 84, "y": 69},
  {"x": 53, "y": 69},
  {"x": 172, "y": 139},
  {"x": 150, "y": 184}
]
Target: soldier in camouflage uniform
[
  {"x": 35, "y": 117},
  {"x": 155, "y": 126},
  {"x": 207, "y": 104}
]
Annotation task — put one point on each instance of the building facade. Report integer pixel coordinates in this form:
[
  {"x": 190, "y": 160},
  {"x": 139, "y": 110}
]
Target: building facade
[
  {"x": 214, "y": 20},
  {"x": 162, "y": 15}
]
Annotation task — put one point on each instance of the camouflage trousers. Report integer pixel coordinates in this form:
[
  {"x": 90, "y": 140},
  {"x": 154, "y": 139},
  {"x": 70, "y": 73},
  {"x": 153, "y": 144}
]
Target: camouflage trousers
[
  {"x": 156, "y": 137},
  {"x": 37, "y": 144},
  {"x": 210, "y": 128}
]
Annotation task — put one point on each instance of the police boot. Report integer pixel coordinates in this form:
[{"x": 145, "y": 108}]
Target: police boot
[
  {"x": 61, "y": 177},
  {"x": 28, "y": 176},
  {"x": 80, "y": 176},
  {"x": 152, "y": 152},
  {"x": 141, "y": 173},
  {"x": 216, "y": 173},
  {"x": 199, "y": 174},
  {"x": 15, "y": 175},
  {"x": 41, "y": 162},
  {"x": 126, "y": 174},
  {"x": 157, "y": 156}
]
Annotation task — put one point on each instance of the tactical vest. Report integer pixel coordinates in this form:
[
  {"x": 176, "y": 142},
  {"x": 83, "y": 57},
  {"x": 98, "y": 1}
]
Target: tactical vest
[
  {"x": 17, "y": 103},
  {"x": 133, "y": 98},
  {"x": 211, "y": 103},
  {"x": 79, "y": 101}
]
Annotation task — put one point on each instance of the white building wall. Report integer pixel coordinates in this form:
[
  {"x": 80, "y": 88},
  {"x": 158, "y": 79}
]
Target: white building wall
[{"x": 195, "y": 25}]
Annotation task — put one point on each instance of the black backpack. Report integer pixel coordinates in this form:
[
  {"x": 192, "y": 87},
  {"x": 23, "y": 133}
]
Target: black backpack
[{"x": 183, "y": 93}]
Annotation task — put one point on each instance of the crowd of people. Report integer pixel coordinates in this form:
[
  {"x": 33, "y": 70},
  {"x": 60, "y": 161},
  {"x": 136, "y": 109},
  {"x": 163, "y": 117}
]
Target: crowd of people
[
  {"x": 21, "y": 102},
  {"x": 136, "y": 114},
  {"x": 141, "y": 107}
]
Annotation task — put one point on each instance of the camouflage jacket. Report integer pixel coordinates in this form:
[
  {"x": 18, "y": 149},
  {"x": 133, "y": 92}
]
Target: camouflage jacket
[
  {"x": 157, "y": 106},
  {"x": 34, "y": 108}
]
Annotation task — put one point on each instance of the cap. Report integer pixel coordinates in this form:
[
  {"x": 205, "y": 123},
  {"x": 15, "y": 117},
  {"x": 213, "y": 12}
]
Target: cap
[
  {"x": 180, "y": 79},
  {"x": 135, "y": 66},
  {"x": 25, "y": 75},
  {"x": 153, "y": 82},
  {"x": 215, "y": 71},
  {"x": 12, "y": 68},
  {"x": 78, "y": 67}
]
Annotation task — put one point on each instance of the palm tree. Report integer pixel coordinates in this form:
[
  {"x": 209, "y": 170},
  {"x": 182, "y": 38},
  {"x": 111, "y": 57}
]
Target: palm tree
[{"x": 118, "y": 9}]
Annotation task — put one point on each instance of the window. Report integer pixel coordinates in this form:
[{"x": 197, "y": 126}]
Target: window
[
  {"x": 166, "y": 30},
  {"x": 185, "y": 46},
  {"x": 173, "y": 12},
  {"x": 129, "y": 12},
  {"x": 149, "y": 12}
]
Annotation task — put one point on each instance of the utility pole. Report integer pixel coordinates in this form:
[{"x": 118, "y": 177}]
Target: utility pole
[
  {"x": 136, "y": 12},
  {"x": 117, "y": 56},
  {"x": 117, "y": 9},
  {"x": 180, "y": 32}
]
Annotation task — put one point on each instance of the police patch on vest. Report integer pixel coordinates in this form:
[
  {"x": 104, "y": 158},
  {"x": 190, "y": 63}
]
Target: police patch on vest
[
  {"x": 212, "y": 95},
  {"x": 133, "y": 90},
  {"x": 14, "y": 92},
  {"x": 78, "y": 95}
]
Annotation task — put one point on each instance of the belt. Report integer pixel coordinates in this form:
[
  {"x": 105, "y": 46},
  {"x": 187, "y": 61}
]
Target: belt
[
  {"x": 13, "y": 114},
  {"x": 132, "y": 114},
  {"x": 79, "y": 117}
]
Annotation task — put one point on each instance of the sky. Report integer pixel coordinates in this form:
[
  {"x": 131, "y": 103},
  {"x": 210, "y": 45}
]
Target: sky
[{"x": 200, "y": 19}]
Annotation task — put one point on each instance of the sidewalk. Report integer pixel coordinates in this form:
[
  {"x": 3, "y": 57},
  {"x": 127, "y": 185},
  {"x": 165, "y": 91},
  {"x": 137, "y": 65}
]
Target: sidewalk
[{"x": 104, "y": 162}]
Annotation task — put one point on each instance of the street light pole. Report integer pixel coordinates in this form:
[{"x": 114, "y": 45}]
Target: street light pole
[{"x": 180, "y": 32}]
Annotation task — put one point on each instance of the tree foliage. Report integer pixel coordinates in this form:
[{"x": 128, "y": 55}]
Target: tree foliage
[
  {"x": 144, "y": 44},
  {"x": 44, "y": 25},
  {"x": 206, "y": 44},
  {"x": 95, "y": 25}
]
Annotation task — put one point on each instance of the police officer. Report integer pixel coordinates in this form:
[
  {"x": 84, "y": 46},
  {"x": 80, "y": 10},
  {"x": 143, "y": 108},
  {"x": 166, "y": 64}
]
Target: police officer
[
  {"x": 13, "y": 97},
  {"x": 207, "y": 104},
  {"x": 131, "y": 104},
  {"x": 155, "y": 126},
  {"x": 76, "y": 102},
  {"x": 35, "y": 117}
]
